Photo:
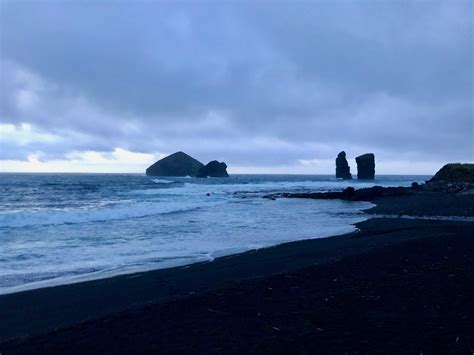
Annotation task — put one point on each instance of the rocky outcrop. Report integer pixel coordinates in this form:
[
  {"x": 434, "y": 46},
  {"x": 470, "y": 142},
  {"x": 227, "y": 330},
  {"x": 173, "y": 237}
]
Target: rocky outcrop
[
  {"x": 213, "y": 169},
  {"x": 366, "y": 166},
  {"x": 452, "y": 178},
  {"x": 343, "y": 171},
  {"x": 455, "y": 173},
  {"x": 350, "y": 194},
  {"x": 177, "y": 164}
]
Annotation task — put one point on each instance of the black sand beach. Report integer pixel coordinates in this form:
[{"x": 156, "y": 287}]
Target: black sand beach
[
  {"x": 398, "y": 285},
  {"x": 137, "y": 135}
]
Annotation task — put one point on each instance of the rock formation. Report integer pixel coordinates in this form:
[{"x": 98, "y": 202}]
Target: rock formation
[
  {"x": 343, "y": 170},
  {"x": 177, "y": 164},
  {"x": 366, "y": 166},
  {"x": 349, "y": 194},
  {"x": 454, "y": 173},
  {"x": 213, "y": 169}
]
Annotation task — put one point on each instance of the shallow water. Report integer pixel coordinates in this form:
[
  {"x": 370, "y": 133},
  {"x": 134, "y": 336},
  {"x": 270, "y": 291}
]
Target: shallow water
[{"x": 62, "y": 228}]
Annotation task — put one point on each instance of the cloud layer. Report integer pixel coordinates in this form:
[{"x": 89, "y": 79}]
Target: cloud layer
[{"x": 257, "y": 84}]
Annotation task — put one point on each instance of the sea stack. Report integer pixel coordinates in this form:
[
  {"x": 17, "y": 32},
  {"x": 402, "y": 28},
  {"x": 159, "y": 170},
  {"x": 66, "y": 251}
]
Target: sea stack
[
  {"x": 177, "y": 164},
  {"x": 213, "y": 169},
  {"x": 343, "y": 171},
  {"x": 366, "y": 166}
]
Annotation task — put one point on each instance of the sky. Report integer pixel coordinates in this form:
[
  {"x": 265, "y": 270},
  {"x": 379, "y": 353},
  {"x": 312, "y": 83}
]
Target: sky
[{"x": 266, "y": 86}]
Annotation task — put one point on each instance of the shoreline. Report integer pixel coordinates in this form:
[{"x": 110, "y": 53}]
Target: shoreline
[
  {"x": 74, "y": 310},
  {"x": 183, "y": 264},
  {"x": 172, "y": 264},
  {"x": 94, "y": 287},
  {"x": 49, "y": 319},
  {"x": 434, "y": 206}
]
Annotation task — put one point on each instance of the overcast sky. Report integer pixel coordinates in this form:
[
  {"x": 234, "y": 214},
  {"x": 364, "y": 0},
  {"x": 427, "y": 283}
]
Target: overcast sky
[{"x": 277, "y": 87}]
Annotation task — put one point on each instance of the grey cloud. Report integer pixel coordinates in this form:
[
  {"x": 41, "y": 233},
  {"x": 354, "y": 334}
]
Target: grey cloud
[{"x": 232, "y": 79}]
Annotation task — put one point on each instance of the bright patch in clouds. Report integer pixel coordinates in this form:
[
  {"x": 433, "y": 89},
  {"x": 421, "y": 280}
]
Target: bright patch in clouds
[
  {"x": 25, "y": 134},
  {"x": 118, "y": 161}
]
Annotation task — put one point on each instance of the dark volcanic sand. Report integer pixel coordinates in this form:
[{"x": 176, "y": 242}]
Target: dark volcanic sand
[
  {"x": 398, "y": 285},
  {"x": 426, "y": 204}
]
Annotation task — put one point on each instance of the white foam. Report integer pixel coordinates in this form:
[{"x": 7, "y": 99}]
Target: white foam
[
  {"x": 118, "y": 212},
  {"x": 159, "y": 181}
]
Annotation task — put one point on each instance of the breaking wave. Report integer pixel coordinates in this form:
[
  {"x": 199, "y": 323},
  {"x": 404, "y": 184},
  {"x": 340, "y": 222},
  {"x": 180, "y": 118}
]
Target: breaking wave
[{"x": 124, "y": 211}]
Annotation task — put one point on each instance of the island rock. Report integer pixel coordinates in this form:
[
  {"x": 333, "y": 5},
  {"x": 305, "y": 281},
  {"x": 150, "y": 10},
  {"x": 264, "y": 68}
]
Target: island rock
[
  {"x": 177, "y": 164},
  {"x": 213, "y": 169},
  {"x": 343, "y": 171},
  {"x": 366, "y": 166}
]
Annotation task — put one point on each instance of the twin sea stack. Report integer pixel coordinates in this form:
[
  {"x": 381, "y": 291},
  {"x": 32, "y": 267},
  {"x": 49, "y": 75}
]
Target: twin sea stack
[
  {"x": 181, "y": 164},
  {"x": 365, "y": 167}
]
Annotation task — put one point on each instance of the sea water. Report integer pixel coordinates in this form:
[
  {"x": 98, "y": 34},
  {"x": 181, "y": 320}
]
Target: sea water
[{"x": 63, "y": 228}]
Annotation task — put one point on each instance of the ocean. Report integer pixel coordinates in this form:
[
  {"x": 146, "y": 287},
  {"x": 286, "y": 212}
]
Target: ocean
[{"x": 63, "y": 228}]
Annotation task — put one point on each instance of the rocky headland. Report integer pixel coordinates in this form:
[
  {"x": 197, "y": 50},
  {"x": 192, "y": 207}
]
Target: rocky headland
[{"x": 456, "y": 173}]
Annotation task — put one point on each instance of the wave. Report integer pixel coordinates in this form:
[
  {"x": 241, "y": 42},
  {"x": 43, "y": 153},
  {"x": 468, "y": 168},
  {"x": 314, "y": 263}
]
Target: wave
[
  {"x": 121, "y": 212},
  {"x": 172, "y": 196},
  {"x": 160, "y": 181}
]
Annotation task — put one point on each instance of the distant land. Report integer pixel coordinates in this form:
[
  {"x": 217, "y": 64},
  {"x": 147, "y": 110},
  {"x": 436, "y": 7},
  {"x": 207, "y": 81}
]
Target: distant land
[{"x": 181, "y": 164}]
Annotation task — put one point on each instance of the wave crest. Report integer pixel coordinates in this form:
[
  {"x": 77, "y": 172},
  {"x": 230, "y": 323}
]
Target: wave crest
[{"x": 121, "y": 212}]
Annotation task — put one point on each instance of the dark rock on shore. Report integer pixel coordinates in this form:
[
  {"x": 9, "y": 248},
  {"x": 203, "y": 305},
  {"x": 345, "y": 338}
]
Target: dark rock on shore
[
  {"x": 418, "y": 200},
  {"x": 452, "y": 178},
  {"x": 213, "y": 169},
  {"x": 455, "y": 173},
  {"x": 350, "y": 194},
  {"x": 449, "y": 187},
  {"x": 177, "y": 164},
  {"x": 343, "y": 171},
  {"x": 366, "y": 166}
]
